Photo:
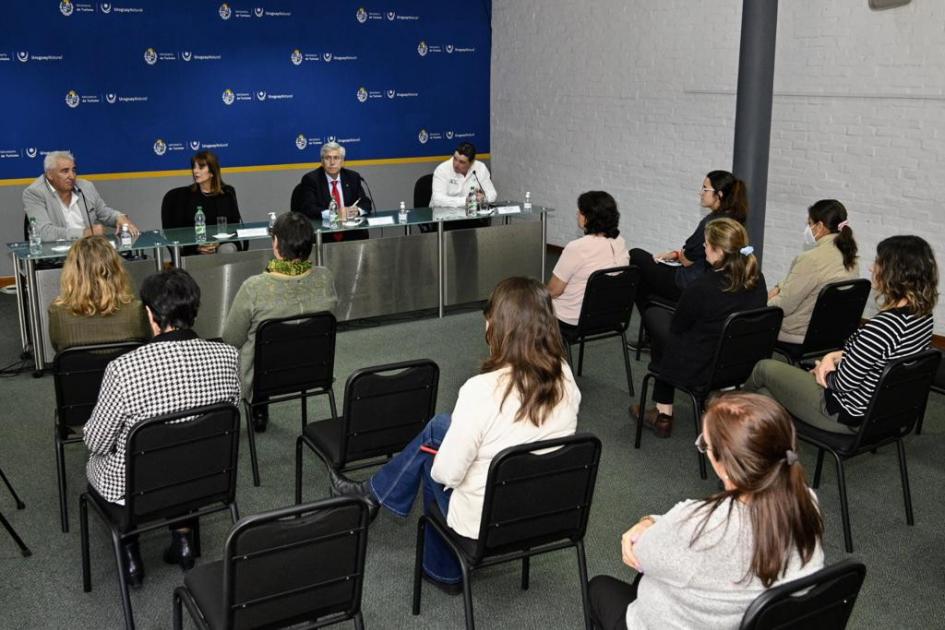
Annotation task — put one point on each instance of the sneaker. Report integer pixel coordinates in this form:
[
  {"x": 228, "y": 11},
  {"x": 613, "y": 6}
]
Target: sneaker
[{"x": 660, "y": 424}]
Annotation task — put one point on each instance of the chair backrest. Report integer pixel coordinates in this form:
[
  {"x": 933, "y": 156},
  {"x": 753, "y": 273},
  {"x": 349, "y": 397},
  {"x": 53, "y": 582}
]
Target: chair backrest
[
  {"x": 295, "y": 202},
  {"x": 938, "y": 385},
  {"x": 423, "y": 191},
  {"x": 900, "y": 398},
  {"x": 181, "y": 461},
  {"x": 294, "y": 354},
  {"x": 535, "y": 496},
  {"x": 386, "y": 406},
  {"x": 295, "y": 564},
  {"x": 77, "y": 379},
  {"x": 837, "y": 313},
  {"x": 747, "y": 337},
  {"x": 826, "y": 604},
  {"x": 608, "y": 300}
]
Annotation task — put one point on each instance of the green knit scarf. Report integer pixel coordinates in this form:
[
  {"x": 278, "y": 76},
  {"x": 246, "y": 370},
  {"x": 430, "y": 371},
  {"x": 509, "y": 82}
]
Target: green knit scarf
[{"x": 289, "y": 267}]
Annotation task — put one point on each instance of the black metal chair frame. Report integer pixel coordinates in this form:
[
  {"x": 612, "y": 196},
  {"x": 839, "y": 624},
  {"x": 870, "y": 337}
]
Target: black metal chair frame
[
  {"x": 654, "y": 301},
  {"x": 24, "y": 550},
  {"x": 231, "y": 558},
  {"x": 883, "y": 406},
  {"x": 699, "y": 396},
  {"x": 938, "y": 386},
  {"x": 166, "y": 514},
  {"x": 824, "y": 333},
  {"x": 302, "y": 389},
  {"x": 596, "y": 322},
  {"x": 484, "y": 555},
  {"x": 352, "y": 395},
  {"x": 66, "y": 406},
  {"x": 826, "y": 605}
]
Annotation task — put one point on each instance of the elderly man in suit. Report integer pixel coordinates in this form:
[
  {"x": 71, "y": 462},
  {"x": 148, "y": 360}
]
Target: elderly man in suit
[
  {"x": 66, "y": 207},
  {"x": 332, "y": 181}
]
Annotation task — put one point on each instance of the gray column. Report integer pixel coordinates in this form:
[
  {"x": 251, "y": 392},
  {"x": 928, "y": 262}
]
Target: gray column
[{"x": 753, "y": 109}]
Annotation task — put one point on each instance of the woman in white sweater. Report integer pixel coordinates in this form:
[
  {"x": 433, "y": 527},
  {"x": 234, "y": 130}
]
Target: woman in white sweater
[
  {"x": 703, "y": 562},
  {"x": 525, "y": 393}
]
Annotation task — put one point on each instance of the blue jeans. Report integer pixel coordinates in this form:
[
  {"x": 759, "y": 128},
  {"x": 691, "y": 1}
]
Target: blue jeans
[{"x": 395, "y": 486}]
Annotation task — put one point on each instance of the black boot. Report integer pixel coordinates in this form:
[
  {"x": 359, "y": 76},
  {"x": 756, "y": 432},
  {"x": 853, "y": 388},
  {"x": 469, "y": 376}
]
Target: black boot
[
  {"x": 339, "y": 485},
  {"x": 181, "y": 550},
  {"x": 134, "y": 568}
]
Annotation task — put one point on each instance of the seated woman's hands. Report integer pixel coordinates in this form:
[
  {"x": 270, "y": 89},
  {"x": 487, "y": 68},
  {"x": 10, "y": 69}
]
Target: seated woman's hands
[
  {"x": 630, "y": 538},
  {"x": 825, "y": 366}
]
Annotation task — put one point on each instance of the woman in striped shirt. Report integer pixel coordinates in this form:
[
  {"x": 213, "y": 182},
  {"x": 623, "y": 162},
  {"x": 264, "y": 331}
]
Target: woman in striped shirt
[{"x": 835, "y": 395}]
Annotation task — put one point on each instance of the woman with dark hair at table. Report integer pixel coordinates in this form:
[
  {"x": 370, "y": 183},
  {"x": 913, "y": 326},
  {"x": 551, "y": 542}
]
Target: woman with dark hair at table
[
  {"x": 208, "y": 191},
  {"x": 702, "y": 563},
  {"x": 600, "y": 247}
]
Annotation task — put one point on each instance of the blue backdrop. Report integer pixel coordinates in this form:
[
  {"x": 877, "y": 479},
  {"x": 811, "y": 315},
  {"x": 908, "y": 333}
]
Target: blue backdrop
[{"x": 140, "y": 85}]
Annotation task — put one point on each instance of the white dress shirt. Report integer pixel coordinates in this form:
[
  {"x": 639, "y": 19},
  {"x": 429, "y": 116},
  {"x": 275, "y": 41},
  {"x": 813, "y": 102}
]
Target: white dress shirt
[
  {"x": 73, "y": 212},
  {"x": 450, "y": 188}
]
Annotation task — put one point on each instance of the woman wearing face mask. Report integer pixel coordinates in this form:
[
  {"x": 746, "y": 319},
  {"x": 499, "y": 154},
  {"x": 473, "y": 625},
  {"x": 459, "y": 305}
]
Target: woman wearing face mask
[
  {"x": 831, "y": 258},
  {"x": 209, "y": 192}
]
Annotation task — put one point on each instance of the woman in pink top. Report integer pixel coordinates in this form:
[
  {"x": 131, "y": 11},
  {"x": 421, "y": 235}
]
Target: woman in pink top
[{"x": 600, "y": 247}]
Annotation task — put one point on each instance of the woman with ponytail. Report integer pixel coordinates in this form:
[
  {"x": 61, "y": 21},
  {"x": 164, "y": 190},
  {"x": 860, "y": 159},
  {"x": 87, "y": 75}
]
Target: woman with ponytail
[
  {"x": 702, "y": 563},
  {"x": 831, "y": 258},
  {"x": 665, "y": 275},
  {"x": 684, "y": 341}
]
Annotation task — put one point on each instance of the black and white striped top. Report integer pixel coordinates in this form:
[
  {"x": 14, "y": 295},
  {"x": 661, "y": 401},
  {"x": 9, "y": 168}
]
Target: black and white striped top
[{"x": 890, "y": 335}]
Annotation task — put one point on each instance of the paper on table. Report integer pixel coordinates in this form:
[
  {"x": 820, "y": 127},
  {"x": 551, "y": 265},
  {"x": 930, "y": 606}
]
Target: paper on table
[
  {"x": 252, "y": 232},
  {"x": 508, "y": 209},
  {"x": 380, "y": 221},
  {"x": 61, "y": 248},
  {"x": 224, "y": 236}
]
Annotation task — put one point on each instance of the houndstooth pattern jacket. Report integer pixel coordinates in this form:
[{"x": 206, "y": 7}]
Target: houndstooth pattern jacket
[{"x": 173, "y": 372}]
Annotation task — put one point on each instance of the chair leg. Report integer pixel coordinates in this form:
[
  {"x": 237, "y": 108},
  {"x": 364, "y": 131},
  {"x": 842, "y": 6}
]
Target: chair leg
[
  {"x": 304, "y": 403},
  {"x": 819, "y": 468},
  {"x": 84, "y": 542},
  {"x": 123, "y": 583},
  {"x": 918, "y": 425},
  {"x": 358, "y": 621},
  {"x": 580, "y": 357},
  {"x": 904, "y": 475},
  {"x": 251, "y": 434},
  {"x": 844, "y": 508},
  {"x": 567, "y": 346},
  {"x": 61, "y": 472},
  {"x": 525, "y": 573},
  {"x": 178, "y": 613},
  {"x": 626, "y": 362},
  {"x": 697, "y": 420},
  {"x": 640, "y": 336},
  {"x": 24, "y": 550},
  {"x": 418, "y": 566},
  {"x": 19, "y": 503},
  {"x": 467, "y": 597},
  {"x": 298, "y": 471},
  {"x": 331, "y": 404},
  {"x": 643, "y": 392},
  {"x": 582, "y": 572}
]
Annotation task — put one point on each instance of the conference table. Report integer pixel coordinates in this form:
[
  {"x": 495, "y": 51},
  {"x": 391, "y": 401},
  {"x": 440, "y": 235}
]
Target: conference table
[{"x": 406, "y": 269}]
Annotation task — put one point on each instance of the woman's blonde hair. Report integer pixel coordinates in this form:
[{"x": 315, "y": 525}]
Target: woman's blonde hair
[
  {"x": 94, "y": 280},
  {"x": 738, "y": 262}
]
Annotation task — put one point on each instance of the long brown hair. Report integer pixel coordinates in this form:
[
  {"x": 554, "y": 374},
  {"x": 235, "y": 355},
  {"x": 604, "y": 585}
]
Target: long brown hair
[
  {"x": 523, "y": 335},
  {"x": 752, "y": 437},
  {"x": 738, "y": 263},
  {"x": 94, "y": 280},
  {"x": 905, "y": 269},
  {"x": 208, "y": 159},
  {"x": 832, "y": 215}
]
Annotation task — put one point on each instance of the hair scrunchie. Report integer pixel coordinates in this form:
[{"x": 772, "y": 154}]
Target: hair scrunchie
[
  {"x": 747, "y": 250},
  {"x": 843, "y": 224},
  {"x": 790, "y": 457}
]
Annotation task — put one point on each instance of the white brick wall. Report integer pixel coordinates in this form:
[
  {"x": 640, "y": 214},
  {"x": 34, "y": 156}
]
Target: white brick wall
[{"x": 638, "y": 98}]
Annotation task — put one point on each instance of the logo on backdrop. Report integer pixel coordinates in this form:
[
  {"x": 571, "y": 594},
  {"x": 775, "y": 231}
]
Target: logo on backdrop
[
  {"x": 228, "y": 96},
  {"x": 449, "y": 49},
  {"x": 150, "y": 56},
  {"x": 390, "y": 16},
  {"x": 111, "y": 97},
  {"x": 300, "y": 142},
  {"x": 362, "y": 94},
  {"x": 195, "y": 145},
  {"x": 160, "y": 147},
  {"x": 423, "y": 49},
  {"x": 326, "y": 57},
  {"x": 225, "y": 11},
  {"x": 31, "y": 152},
  {"x": 259, "y": 11},
  {"x": 330, "y": 139},
  {"x": 23, "y": 56},
  {"x": 391, "y": 93},
  {"x": 296, "y": 57},
  {"x": 261, "y": 95},
  {"x": 361, "y": 15},
  {"x": 106, "y": 7},
  {"x": 449, "y": 135},
  {"x": 423, "y": 136},
  {"x": 72, "y": 99},
  {"x": 186, "y": 55},
  {"x": 66, "y": 8}
]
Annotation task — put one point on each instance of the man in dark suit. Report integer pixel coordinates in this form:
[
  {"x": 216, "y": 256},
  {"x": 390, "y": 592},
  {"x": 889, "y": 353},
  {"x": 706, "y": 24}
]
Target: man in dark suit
[{"x": 332, "y": 181}]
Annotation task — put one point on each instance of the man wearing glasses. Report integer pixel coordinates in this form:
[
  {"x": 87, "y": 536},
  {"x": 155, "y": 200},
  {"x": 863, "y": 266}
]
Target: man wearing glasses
[{"x": 331, "y": 181}]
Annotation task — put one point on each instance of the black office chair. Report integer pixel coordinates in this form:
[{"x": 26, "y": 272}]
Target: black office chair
[
  {"x": 821, "y": 601},
  {"x": 534, "y": 503},
  {"x": 605, "y": 312},
  {"x": 77, "y": 378},
  {"x": 836, "y": 315},
  {"x": 385, "y": 407},
  {"x": 897, "y": 404},
  {"x": 280, "y": 568},
  {"x": 747, "y": 337},
  {"x": 295, "y": 202},
  {"x": 654, "y": 301},
  {"x": 178, "y": 467},
  {"x": 423, "y": 191},
  {"x": 24, "y": 550},
  {"x": 294, "y": 359},
  {"x": 938, "y": 386}
]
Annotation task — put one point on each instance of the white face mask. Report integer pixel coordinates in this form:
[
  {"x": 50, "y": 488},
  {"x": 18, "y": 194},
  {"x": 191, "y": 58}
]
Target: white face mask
[{"x": 809, "y": 239}]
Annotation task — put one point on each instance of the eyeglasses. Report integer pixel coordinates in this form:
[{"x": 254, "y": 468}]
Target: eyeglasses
[
  {"x": 701, "y": 445},
  {"x": 705, "y": 190}
]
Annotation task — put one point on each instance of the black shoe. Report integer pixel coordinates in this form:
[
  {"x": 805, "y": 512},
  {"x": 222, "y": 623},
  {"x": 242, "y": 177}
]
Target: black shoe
[
  {"x": 341, "y": 486},
  {"x": 181, "y": 550},
  {"x": 134, "y": 568},
  {"x": 260, "y": 419},
  {"x": 450, "y": 589}
]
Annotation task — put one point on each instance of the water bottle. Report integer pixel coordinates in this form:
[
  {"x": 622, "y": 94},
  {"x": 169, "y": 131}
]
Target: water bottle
[
  {"x": 402, "y": 215},
  {"x": 124, "y": 238},
  {"x": 36, "y": 243},
  {"x": 333, "y": 212},
  {"x": 272, "y": 221},
  {"x": 472, "y": 204},
  {"x": 200, "y": 226},
  {"x": 528, "y": 201}
]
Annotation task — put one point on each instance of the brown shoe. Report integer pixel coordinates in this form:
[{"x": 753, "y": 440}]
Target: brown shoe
[{"x": 660, "y": 424}]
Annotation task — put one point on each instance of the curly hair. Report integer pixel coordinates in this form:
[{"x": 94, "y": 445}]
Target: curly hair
[
  {"x": 905, "y": 269},
  {"x": 94, "y": 280}
]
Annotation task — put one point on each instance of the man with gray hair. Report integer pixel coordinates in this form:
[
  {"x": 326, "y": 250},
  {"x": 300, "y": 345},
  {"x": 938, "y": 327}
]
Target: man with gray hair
[
  {"x": 66, "y": 207},
  {"x": 332, "y": 181}
]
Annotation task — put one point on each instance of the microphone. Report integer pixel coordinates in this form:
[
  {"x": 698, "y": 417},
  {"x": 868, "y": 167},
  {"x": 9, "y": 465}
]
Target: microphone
[
  {"x": 85, "y": 202},
  {"x": 367, "y": 189},
  {"x": 484, "y": 200}
]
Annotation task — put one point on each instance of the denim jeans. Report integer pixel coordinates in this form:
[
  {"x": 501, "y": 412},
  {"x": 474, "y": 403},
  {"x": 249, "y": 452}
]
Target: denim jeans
[{"x": 395, "y": 485}]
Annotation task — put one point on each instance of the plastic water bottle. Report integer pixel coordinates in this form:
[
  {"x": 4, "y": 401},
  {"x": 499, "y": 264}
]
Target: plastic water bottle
[
  {"x": 527, "y": 205},
  {"x": 472, "y": 204},
  {"x": 402, "y": 215},
  {"x": 124, "y": 238},
  {"x": 200, "y": 226},
  {"x": 36, "y": 243},
  {"x": 333, "y": 212},
  {"x": 272, "y": 221}
]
